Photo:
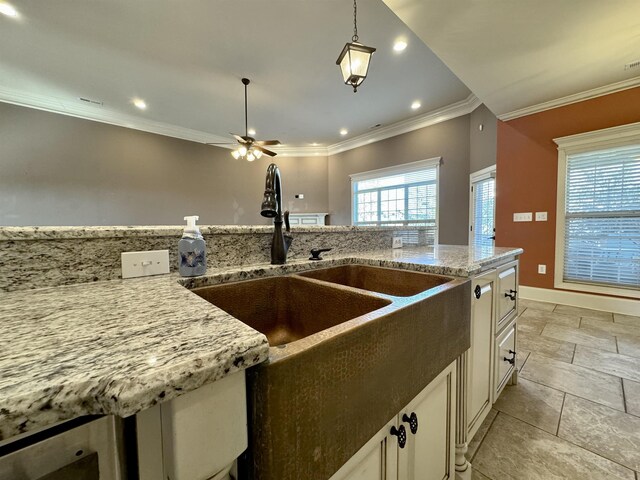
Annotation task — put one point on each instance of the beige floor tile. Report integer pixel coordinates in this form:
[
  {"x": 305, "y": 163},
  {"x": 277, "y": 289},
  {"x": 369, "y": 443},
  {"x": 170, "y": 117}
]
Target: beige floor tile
[
  {"x": 612, "y": 328},
  {"x": 480, "y": 434},
  {"x": 629, "y": 345},
  {"x": 533, "y": 403},
  {"x": 536, "y": 305},
  {"x": 549, "y": 347},
  {"x": 530, "y": 324},
  {"x": 580, "y": 381},
  {"x": 607, "y": 362},
  {"x": 477, "y": 475},
  {"x": 551, "y": 317},
  {"x": 583, "y": 312},
  {"x": 522, "y": 357},
  {"x": 614, "y": 435},
  {"x": 588, "y": 338},
  {"x": 626, "y": 319},
  {"x": 513, "y": 450},
  {"x": 632, "y": 396}
]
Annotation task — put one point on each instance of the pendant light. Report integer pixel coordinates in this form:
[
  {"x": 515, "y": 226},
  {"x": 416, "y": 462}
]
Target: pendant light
[{"x": 355, "y": 57}]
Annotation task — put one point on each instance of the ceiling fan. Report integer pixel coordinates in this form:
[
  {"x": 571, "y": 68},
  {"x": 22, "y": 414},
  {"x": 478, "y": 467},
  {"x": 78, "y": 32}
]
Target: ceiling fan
[{"x": 249, "y": 148}]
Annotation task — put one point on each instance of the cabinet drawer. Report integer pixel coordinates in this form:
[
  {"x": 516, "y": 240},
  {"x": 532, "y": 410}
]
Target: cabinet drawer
[
  {"x": 507, "y": 295},
  {"x": 504, "y": 357}
]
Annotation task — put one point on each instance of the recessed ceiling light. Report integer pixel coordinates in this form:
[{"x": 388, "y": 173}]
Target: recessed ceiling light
[
  {"x": 251, "y": 131},
  {"x": 139, "y": 103},
  {"x": 314, "y": 144},
  {"x": 8, "y": 9},
  {"x": 344, "y": 131},
  {"x": 399, "y": 46},
  {"x": 416, "y": 105}
]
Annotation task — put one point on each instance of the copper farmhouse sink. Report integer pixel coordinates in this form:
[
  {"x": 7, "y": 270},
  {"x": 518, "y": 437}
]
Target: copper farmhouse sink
[
  {"x": 286, "y": 309},
  {"x": 349, "y": 347},
  {"x": 391, "y": 281}
]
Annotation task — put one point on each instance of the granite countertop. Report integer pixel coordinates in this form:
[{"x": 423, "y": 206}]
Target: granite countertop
[{"x": 121, "y": 346}]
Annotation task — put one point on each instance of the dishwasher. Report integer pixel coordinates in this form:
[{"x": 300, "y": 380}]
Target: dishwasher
[{"x": 87, "y": 448}]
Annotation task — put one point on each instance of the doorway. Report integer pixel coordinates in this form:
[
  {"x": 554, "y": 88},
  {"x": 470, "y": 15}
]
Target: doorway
[{"x": 482, "y": 208}]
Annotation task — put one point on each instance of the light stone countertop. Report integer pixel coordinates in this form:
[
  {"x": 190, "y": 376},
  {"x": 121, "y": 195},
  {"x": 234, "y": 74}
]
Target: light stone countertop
[{"x": 121, "y": 346}]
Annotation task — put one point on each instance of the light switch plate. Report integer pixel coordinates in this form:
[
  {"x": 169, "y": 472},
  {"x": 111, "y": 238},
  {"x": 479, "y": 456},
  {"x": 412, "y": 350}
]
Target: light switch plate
[
  {"x": 397, "y": 242},
  {"x": 523, "y": 217},
  {"x": 541, "y": 216},
  {"x": 143, "y": 264}
]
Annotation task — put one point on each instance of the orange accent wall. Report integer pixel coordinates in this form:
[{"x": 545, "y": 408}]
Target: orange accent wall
[{"x": 527, "y": 173}]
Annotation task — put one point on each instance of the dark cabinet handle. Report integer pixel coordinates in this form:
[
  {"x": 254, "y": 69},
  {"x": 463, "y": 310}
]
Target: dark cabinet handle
[
  {"x": 401, "y": 433},
  {"x": 511, "y": 294},
  {"x": 511, "y": 360},
  {"x": 412, "y": 421},
  {"x": 477, "y": 292}
]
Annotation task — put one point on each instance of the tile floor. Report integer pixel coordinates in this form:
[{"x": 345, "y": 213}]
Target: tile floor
[{"x": 575, "y": 413}]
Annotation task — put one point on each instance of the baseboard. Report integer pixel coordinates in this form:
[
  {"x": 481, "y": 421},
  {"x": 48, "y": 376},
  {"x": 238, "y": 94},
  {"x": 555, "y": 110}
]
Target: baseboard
[{"x": 585, "y": 300}]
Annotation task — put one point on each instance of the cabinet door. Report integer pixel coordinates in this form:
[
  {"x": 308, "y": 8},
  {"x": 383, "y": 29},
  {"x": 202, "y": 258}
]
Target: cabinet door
[
  {"x": 507, "y": 300},
  {"x": 505, "y": 357},
  {"x": 479, "y": 364},
  {"x": 376, "y": 460},
  {"x": 429, "y": 452}
]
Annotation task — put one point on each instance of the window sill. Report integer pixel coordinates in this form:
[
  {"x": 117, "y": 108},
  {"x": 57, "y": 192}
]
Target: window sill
[{"x": 601, "y": 289}]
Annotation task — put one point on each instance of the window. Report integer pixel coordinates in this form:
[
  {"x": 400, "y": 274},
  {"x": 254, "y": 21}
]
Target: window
[
  {"x": 482, "y": 207},
  {"x": 598, "y": 244},
  {"x": 398, "y": 196}
]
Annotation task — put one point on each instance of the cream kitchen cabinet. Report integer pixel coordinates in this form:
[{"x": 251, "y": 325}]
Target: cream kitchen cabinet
[{"x": 417, "y": 444}]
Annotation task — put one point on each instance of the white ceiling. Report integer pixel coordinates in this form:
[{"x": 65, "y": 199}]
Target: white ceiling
[
  {"x": 515, "y": 54},
  {"x": 185, "y": 59}
]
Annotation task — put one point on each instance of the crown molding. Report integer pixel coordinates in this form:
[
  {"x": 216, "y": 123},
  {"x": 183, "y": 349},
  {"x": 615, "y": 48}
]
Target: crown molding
[
  {"x": 569, "y": 99},
  {"x": 449, "y": 112},
  {"x": 629, "y": 131},
  {"x": 73, "y": 108}
]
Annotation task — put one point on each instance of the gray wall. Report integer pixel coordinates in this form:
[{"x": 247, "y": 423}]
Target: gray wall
[
  {"x": 60, "y": 170},
  {"x": 449, "y": 140},
  {"x": 483, "y": 144}
]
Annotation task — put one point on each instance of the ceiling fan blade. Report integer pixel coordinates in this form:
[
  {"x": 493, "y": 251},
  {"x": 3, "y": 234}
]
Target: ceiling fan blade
[
  {"x": 268, "y": 142},
  {"x": 239, "y": 138},
  {"x": 265, "y": 151},
  {"x": 223, "y": 143}
]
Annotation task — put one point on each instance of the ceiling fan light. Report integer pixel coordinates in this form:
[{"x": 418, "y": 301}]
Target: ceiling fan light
[
  {"x": 235, "y": 154},
  {"x": 242, "y": 151},
  {"x": 257, "y": 153},
  {"x": 250, "y": 157}
]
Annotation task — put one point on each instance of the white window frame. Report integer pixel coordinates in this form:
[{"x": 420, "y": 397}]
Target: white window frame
[
  {"x": 584, "y": 142},
  {"x": 399, "y": 170},
  {"x": 485, "y": 173}
]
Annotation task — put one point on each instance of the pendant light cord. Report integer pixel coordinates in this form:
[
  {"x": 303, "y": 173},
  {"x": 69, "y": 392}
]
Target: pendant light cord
[{"x": 355, "y": 22}]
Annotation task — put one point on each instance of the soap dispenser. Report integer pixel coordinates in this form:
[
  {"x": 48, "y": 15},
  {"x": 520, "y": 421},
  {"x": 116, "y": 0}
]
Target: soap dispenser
[{"x": 192, "y": 260}]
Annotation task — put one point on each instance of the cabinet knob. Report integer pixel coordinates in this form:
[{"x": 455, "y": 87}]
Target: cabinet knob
[
  {"x": 412, "y": 421},
  {"x": 401, "y": 433},
  {"x": 511, "y": 294},
  {"x": 478, "y": 291},
  {"x": 511, "y": 360}
]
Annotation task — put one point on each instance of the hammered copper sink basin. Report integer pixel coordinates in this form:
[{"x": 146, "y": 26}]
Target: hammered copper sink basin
[
  {"x": 286, "y": 309},
  {"x": 350, "y": 346},
  {"x": 391, "y": 281}
]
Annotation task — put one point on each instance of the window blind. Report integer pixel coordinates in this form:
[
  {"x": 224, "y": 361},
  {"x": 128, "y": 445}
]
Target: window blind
[
  {"x": 483, "y": 212},
  {"x": 397, "y": 199},
  {"x": 602, "y": 217}
]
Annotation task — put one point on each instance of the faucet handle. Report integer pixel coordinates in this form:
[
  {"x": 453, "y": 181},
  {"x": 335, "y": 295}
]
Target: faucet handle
[
  {"x": 286, "y": 221},
  {"x": 315, "y": 253}
]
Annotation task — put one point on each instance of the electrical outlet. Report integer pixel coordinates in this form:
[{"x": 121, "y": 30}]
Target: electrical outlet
[
  {"x": 523, "y": 217},
  {"x": 541, "y": 216},
  {"x": 143, "y": 264},
  {"x": 397, "y": 242},
  {"x": 542, "y": 269}
]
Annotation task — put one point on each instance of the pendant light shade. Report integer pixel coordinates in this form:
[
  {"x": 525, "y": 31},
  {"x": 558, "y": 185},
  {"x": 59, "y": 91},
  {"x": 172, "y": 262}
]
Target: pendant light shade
[
  {"x": 355, "y": 57},
  {"x": 354, "y": 63}
]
